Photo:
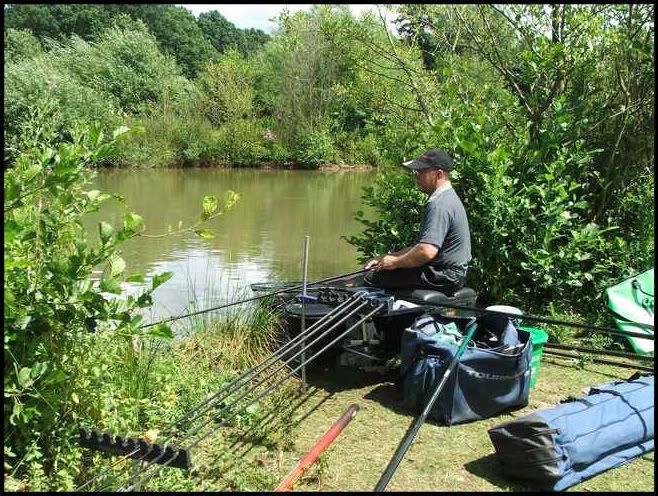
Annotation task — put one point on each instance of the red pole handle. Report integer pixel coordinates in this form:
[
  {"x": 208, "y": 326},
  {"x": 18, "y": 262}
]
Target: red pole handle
[{"x": 323, "y": 443}]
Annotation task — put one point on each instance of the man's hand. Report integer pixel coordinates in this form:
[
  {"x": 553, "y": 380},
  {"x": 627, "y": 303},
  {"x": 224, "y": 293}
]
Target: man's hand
[
  {"x": 372, "y": 264},
  {"x": 385, "y": 262},
  {"x": 388, "y": 262}
]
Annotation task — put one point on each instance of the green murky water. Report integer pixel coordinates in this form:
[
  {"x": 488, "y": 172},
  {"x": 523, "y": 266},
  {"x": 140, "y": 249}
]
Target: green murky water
[{"x": 260, "y": 239}]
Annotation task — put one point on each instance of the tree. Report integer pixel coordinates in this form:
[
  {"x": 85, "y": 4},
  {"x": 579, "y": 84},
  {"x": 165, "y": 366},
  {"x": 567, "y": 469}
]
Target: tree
[
  {"x": 174, "y": 27},
  {"x": 221, "y": 32}
]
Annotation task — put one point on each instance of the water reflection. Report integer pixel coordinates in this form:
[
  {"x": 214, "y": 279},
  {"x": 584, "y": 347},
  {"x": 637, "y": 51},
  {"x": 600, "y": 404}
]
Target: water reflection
[{"x": 260, "y": 239}]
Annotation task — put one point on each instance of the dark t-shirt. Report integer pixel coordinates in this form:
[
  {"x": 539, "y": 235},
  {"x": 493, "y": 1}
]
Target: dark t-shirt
[{"x": 445, "y": 225}]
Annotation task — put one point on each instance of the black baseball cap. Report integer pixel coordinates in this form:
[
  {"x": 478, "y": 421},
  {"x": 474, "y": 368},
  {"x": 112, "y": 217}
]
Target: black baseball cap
[{"x": 433, "y": 157}]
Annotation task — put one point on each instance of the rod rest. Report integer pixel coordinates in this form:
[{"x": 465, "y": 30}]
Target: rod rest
[
  {"x": 336, "y": 296},
  {"x": 147, "y": 452}
]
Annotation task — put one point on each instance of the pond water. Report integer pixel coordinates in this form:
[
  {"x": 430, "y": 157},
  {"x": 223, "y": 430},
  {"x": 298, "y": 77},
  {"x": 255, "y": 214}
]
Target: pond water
[{"x": 260, "y": 240}]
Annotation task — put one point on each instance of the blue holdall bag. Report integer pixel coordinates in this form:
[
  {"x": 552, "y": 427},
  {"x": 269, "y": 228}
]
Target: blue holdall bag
[
  {"x": 556, "y": 448},
  {"x": 492, "y": 375}
]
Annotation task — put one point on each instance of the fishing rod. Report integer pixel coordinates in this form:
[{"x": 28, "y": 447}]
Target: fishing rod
[
  {"x": 289, "y": 359},
  {"x": 258, "y": 397},
  {"x": 237, "y": 383},
  {"x": 411, "y": 433},
  {"x": 600, "y": 360},
  {"x": 545, "y": 320},
  {"x": 597, "y": 351},
  {"x": 254, "y": 298}
]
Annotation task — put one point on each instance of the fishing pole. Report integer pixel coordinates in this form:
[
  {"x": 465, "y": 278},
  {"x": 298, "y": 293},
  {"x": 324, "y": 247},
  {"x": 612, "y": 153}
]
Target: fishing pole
[
  {"x": 608, "y": 330},
  {"x": 415, "y": 426},
  {"x": 289, "y": 359},
  {"x": 600, "y": 360},
  {"x": 258, "y": 397},
  {"x": 254, "y": 298},
  {"x": 597, "y": 351},
  {"x": 230, "y": 388},
  {"x": 266, "y": 363}
]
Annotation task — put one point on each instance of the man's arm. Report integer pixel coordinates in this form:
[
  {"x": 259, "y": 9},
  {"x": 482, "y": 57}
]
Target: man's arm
[
  {"x": 413, "y": 256},
  {"x": 374, "y": 262}
]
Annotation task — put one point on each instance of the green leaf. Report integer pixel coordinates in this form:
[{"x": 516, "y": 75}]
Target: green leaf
[
  {"x": 209, "y": 206},
  {"x": 24, "y": 377},
  {"x": 467, "y": 146},
  {"x": 137, "y": 277},
  {"x": 159, "y": 279},
  {"x": 230, "y": 199},
  {"x": 135, "y": 321},
  {"x": 161, "y": 331},
  {"x": 95, "y": 195},
  {"x": 144, "y": 300},
  {"x": 205, "y": 233},
  {"x": 117, "y": 266},
  {"x": 111, "y": 286},
  {"x": 105, "y": 231},
  {"x": 132, "y": 221},
  {"x": 11, "y": 229},
  {"x": 120, "y": 131}
]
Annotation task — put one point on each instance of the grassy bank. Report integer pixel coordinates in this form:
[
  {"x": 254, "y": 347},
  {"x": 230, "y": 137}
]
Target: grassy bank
[{"x": 259, "y": 446}]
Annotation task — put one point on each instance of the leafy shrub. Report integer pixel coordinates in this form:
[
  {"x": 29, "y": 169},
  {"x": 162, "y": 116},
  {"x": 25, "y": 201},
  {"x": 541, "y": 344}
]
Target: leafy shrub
[
  {"x": 39, "y": 83},
  {"x": 240, "y": 142},
  {"x": 315, "y": 148},
  {"x": 124, "y": 63},
  {"x": 362, "y": 150},
  {"x": 21, "y": 44},
  {"x": 533, "y": 240},
  {"x": 227, "y": 89},
  {"x": 51, "y": 302}
]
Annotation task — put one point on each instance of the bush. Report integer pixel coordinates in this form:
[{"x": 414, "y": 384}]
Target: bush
[
  {"x": 52, "y": 305},
  {"x": 175, "y": 135},
  {"x": 315, "y": 148},
  {"x": 124, "y": 63},
  {"x": 40, "y": 83},
  {"x": 362, "y": 150},
  {"x": 240, "y": 142},
  {"x": 20, "y": 44},
  {"x": 227, "y": 89},
  {"x": 533, "y": 241}
]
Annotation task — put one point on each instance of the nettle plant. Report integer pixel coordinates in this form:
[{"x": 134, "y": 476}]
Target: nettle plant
[{"x": 53, "y": 308}]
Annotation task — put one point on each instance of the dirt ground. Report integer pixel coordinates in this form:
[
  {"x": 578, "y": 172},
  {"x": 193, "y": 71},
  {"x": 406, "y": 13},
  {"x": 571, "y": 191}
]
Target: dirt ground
[{"x": 455, "y": 458}]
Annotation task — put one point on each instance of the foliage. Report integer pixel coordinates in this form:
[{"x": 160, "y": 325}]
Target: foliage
[
  {"x": 528, "y": 178},
  {"x": 315, "y": 148},
  {"x": 225, "y": 36},
  {"x": 124, "y": 63},
  {"x": 58, "y": 21},
  {"x": 50, "y": 301},
  {"x": 38, "y": 86},
  {"x": 177, "y": 33},
  {"x": 20, "y": 44},
  {"x": 227, "y": 89},
  {"x": 53, "y": 306},
  {"x": 191, "y": 41},
  {"x": 241, "y": 142}
]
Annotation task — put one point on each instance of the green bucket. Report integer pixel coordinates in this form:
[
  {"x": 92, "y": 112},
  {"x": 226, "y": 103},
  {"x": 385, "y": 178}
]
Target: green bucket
[{"x": 538, "y": 337}]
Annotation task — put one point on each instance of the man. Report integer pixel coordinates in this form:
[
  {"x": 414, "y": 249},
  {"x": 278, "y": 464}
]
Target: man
[{"x": 439, "y": 258}]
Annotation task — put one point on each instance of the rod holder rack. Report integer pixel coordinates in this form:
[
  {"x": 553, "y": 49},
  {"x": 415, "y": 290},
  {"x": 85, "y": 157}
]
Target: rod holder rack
[
  {"x": 136, "y": 448},
  {"x": 373, "y": 296}
]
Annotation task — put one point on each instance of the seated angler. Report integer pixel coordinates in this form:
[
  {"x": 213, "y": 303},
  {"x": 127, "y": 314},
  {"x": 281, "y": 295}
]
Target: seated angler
[{"x": 439, "y": 258}]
